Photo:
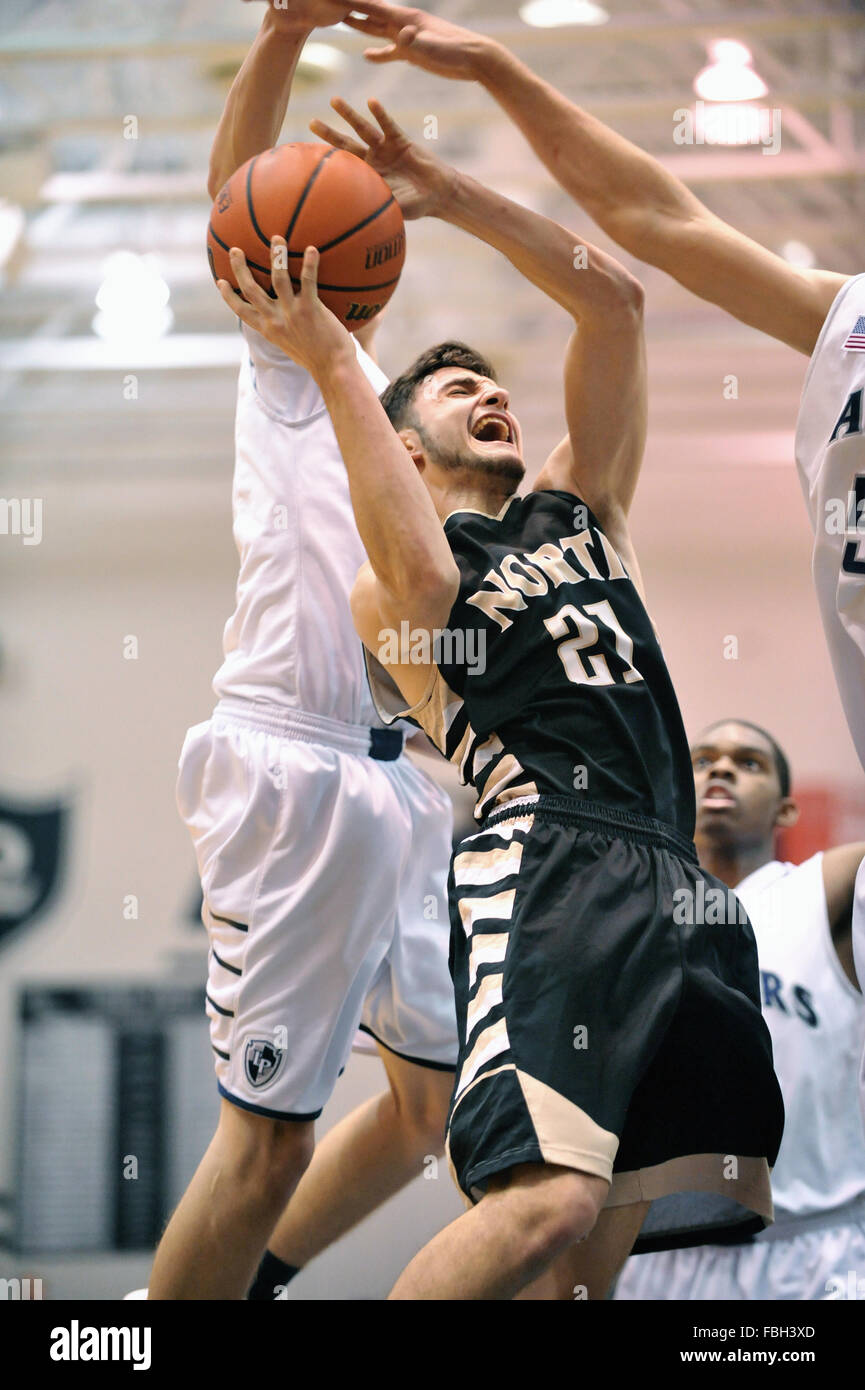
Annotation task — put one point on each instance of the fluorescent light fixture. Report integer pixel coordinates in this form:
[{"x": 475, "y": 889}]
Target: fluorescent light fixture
[
  {"x": 323, "y": 57},
  {"x": 729, "y": 51},
  {"x": 132, "y": 300},
  {"x": 729, "y": 76},
  {"x": 728, "y": 123},
  {"x": 797, "y": 253},
  {"x": 553, "y": 14}
]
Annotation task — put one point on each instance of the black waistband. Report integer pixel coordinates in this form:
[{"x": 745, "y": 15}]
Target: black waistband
[
  {"x": 385, "y": 744},
  {"x": 589, "y": 815}
]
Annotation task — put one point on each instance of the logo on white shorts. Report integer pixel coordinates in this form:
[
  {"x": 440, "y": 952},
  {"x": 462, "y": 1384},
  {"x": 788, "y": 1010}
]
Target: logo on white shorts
[{"x": 262, "y": 1061}]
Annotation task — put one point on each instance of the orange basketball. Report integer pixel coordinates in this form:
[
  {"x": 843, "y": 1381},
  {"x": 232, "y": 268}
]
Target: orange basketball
[{"x": 313, "y": 195}]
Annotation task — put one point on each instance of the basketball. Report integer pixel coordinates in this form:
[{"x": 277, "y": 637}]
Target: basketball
[{"x": 313, "y": 195}]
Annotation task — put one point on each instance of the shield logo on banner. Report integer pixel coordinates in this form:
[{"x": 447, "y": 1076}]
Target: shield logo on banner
[
  {"x": 32, "y": 850},
  {"x": 262, "y": 1060}
]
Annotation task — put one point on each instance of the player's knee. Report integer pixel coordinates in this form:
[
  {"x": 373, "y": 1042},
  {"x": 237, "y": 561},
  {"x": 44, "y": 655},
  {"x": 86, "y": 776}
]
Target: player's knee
[
  {"x": 558, "y": 1213},
  {"x": 268, "y": 1154},
  {"x": 557, "y": 1229}
]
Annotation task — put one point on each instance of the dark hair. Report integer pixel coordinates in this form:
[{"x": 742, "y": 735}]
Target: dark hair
[
  {"x": 397, "y": 398},
  {"x": 782, "y": 767}
]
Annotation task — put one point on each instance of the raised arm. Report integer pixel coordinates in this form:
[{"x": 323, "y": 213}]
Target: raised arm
[
  {"x": 636, "y": 201},
  {"x": 257, "y": 102},
  {"x": 840, "y": 866},
  {"x": 604, "y": 365},
  {"x": 412, "y": 574}
]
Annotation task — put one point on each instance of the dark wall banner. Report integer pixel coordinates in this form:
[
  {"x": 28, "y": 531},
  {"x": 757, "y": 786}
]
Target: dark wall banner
[{"x": 32, "y": 860}]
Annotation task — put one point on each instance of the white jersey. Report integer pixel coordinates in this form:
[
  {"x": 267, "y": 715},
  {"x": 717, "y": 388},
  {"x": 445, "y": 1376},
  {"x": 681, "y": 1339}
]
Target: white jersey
[
  {"x": 291, "y": 640},
  {"x": 859, "y": 960},
  {"x": 816, "y": 1018},
  {"x": 830, "y": 454}
]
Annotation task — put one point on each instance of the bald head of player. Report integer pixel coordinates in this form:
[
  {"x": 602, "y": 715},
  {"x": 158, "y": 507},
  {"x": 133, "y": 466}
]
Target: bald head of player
[
  {"x": 742, "y": 786},
  {"x": 454, "y": 419}
]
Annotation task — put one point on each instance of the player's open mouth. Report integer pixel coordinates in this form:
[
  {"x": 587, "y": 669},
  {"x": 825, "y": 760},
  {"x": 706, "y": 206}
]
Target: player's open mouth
[
  {"x": 718, "y": 797},
  {"x": 493, "y": 427}
]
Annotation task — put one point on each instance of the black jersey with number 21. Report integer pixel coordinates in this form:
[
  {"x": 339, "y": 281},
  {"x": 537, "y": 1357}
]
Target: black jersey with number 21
[{"x": 550, "y": 677}]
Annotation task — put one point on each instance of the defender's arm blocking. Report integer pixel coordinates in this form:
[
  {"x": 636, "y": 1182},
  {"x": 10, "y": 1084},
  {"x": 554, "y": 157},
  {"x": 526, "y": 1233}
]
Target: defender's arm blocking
[
  {"x": 257, "y": 102},
  {"x": 414, "y": 575},
  {"x": 636, "y": 201}
]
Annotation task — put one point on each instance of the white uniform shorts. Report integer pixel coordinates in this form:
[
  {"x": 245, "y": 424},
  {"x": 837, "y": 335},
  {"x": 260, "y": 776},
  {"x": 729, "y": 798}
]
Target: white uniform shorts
[
  {"x": 812, "y": 1257},
  {"x": 323, "y": 860}
]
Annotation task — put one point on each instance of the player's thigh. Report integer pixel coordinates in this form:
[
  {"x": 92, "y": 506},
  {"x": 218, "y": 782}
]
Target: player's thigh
[
  {"x": 421, "y": 1095},
  {"x": 587, "y": 1270}
]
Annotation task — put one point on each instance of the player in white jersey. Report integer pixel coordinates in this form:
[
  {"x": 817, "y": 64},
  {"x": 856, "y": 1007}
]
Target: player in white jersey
[
  {"x": 323, "y": 850},
  {"x": 801, "y": 915},
  {"x": 650, "y": 213},
  {"x": 830, "y": 453}
]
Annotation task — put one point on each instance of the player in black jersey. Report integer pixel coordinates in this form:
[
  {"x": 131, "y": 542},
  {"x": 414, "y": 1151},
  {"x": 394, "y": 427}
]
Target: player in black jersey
[{"x": 610, "y": 1057}]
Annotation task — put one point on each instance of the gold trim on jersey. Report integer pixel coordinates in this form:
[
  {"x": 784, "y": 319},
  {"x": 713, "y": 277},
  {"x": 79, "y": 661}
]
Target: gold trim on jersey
[
  {"x": 504, "y": 773},
  {"x": 475, "y": 511}
]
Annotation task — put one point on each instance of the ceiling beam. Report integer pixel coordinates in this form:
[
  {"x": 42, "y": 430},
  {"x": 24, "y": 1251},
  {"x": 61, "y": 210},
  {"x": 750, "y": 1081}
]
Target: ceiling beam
[
  {"x": 820, "y": 99},
  {"x": 694, "y": 166}
]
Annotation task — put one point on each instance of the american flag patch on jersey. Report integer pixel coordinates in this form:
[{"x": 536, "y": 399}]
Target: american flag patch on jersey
[{"x": 856, "y": 341}]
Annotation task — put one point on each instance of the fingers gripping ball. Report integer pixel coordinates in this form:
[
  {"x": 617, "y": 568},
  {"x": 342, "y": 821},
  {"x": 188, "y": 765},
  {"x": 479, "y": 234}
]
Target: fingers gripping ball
[{"x": 313, "y": 196}]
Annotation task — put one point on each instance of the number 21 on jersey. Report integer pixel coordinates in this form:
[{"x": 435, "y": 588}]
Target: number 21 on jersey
[{"x": 582, "y": 665}]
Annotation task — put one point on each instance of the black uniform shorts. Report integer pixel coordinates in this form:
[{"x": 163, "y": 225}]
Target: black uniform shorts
[{"x": 608, "y": 1007}]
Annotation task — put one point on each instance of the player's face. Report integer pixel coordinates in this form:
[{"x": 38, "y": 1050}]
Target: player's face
[
  {"x": 464, "y": 422},
  {"x": 736, "y": 783}
]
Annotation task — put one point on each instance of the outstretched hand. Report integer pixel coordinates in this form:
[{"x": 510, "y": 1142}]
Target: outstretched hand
[
  {"x": 299, "y": 324},
  {"x": 419, "y": 38},
  {"x": 420, "y": 182}
]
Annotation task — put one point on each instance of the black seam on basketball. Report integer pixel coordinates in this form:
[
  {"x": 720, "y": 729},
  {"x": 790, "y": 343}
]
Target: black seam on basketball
[
  {"x": 356, "y": 228},
  {"x": 249, "y": 208},
  {"x": 351, "y": 231},
  {"x": 351, "y": 289},
  {"x": 265, "y": 269},
  {"x": 303, "y": 197}
]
